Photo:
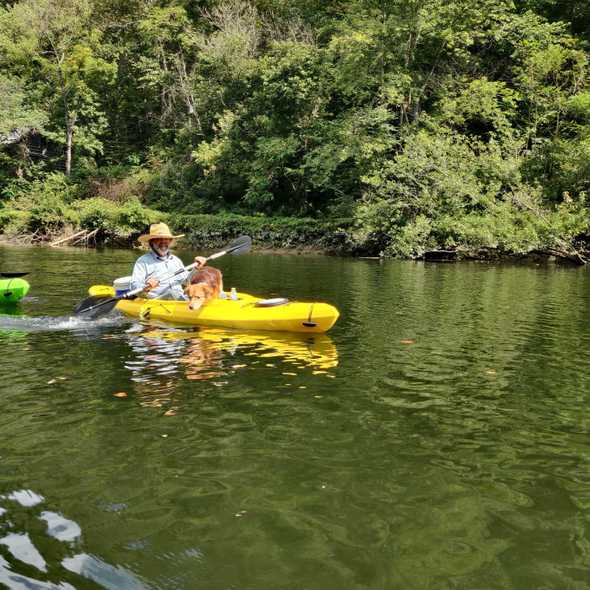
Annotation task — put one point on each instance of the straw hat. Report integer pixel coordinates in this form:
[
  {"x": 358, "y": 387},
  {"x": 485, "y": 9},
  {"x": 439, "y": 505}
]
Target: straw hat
[{"x": 158, "y": 230}]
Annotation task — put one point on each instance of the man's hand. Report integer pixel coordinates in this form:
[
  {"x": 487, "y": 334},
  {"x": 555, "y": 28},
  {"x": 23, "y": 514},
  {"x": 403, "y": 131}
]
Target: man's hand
[
  {"x": 151, "y": 284},
  {"x": 200, "y": 261}
]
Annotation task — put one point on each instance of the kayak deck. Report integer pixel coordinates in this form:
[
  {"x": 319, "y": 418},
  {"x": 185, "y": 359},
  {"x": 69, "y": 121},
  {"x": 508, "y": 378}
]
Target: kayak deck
[{"x": 242, "y": 314}]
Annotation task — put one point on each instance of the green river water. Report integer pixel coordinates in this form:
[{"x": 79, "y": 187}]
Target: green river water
[{"x": 438, "y": 437}]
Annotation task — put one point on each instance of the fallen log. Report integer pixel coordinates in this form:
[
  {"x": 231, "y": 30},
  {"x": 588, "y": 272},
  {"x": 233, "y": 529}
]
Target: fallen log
[
  {"x": 68, "y": 238},
  {"x": 92, "y": 236},
  {"x": 85, "y": 238}
]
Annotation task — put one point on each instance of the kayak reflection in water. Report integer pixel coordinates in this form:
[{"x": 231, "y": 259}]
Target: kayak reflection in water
[
  {"x": 159, "y": 263},
  {"x": 159, "y": 357},
  {"x": 162, "y": 359}
]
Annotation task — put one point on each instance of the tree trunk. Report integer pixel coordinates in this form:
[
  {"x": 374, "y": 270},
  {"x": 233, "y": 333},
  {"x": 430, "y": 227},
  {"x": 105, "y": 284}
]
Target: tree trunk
[
  {"x": 70, "y": 119},
  {"x": 69, "y": 136}
]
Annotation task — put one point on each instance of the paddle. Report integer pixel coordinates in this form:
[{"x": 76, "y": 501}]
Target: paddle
[
  {"x": 98, "y": 306},
  {"x": 13, "y": 275}
]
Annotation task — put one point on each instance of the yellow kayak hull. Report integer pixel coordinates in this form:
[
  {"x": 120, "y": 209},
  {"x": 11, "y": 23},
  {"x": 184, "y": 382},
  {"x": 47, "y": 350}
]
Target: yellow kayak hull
[{"x": 243, "y": 314}]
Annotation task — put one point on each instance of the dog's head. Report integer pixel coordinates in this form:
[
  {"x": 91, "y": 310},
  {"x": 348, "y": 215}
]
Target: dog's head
[{"x": 199, "y": 294}]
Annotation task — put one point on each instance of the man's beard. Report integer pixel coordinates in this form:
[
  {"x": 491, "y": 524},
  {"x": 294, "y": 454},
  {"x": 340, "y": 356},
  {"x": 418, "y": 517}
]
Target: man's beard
[{"x": 161, "y": 251}]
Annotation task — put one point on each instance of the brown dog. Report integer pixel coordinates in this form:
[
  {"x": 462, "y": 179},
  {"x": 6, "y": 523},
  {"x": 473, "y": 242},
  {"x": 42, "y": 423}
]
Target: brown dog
[{"x": 205, "y": 284}]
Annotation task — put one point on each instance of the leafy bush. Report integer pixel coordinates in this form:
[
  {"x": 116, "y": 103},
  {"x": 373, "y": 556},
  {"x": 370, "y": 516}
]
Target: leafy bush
[
  {"x": 272, "y": 232},
  {"x": 47, "y": 206},
  {"x": 13, "y": 222},
  {"x": 445, "y": 192},
  {"x": 121, "y": 221}
]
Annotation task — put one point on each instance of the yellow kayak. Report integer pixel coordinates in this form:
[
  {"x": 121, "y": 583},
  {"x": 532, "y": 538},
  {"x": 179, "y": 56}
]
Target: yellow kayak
[{"x": 246, "y": 313}]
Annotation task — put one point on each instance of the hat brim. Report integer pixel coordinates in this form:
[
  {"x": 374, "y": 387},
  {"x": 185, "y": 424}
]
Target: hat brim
[{"x": 147, "y": 237}]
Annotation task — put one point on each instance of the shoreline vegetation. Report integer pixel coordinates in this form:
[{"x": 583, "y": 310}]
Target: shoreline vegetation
[
  {"x": 57, "y": 211},
  {"x": 279, "y": 235},
  {"x": 422, "y": 130}
]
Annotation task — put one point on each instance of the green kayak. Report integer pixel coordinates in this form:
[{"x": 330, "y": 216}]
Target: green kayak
[{"x": 12, "y": 290}]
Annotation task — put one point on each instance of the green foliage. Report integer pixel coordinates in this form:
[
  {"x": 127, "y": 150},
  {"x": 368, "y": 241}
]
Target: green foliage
[
  {"x": 434, "y": 124},
  {"x": 47, "y": 207},
  {"x": 272, "y": 232},
  {"x": 15, "y": 114},
  {"x": 42, "y": 205},
  {"x": 116, "y": 220},
  {"x": 52, "y": 46},
  {"x": 483, "y": 109},
  {"x": 446, "y": 192},
  {"x": 13, "y": 221}
]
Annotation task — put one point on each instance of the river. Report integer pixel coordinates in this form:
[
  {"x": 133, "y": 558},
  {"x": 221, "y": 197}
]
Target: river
[{"x": 436, "y": 438}]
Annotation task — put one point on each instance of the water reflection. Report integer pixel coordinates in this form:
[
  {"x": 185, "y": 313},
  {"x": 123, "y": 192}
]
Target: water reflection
[
  {"x": 101, "y": 573},
  {"x": 21, "y": 559},
  {"x": 59, "y": 527},
  {"x": 20, "y": 547},
  {"x": 162, "y": 357},
  {"x": 202, "y": 360},
  {"x": 314, "y": 351}
]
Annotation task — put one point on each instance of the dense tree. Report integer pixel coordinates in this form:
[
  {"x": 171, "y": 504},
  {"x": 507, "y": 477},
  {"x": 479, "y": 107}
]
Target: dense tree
[
  {"x": 430, "y": 123},
  {"x": 52, "y": 43}
]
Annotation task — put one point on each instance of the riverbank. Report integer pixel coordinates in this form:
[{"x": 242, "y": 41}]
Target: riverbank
[
  {"x": 58, "y": 212},
  {"x": 104, "y": 226},
  {"x": 282, "y": 236}
]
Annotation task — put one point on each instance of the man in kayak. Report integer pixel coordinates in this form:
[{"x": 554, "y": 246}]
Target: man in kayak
[{"x": 159, "y": 264}]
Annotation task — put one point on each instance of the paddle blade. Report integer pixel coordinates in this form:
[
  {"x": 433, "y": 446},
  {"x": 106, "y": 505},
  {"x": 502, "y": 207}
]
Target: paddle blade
[
  {"x": 13, "y": 275},
  {"x": 240, "y": 245},
  {"x": 95, "y": 307}
]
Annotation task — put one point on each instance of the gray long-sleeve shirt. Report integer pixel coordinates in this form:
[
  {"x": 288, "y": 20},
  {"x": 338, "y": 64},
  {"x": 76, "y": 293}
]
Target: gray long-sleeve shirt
[{"x": 152, "y": 266}]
